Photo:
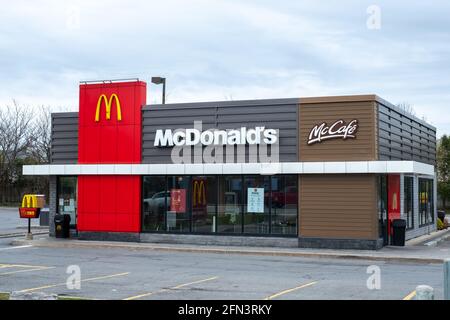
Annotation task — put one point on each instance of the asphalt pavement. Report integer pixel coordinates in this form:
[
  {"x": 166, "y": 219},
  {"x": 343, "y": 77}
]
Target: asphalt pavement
[
  {"x": 120, "y": 273},
  {"x": 136, "y": 271},
  {"x": 11, "y": 223}
]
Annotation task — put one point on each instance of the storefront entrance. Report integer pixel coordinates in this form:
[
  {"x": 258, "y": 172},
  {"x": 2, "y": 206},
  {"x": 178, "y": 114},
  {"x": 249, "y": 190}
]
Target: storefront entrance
[{"x": 67, "y": 198}]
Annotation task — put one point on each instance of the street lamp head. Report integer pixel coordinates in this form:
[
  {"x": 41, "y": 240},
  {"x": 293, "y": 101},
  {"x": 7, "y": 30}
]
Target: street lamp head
[{"x": 158, "y": 80}]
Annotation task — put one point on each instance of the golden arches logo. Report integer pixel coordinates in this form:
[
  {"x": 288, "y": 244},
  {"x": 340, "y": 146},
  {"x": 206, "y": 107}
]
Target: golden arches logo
[
  {"x": 33, "y": 201},
  {"x": 199, "y": 193},
  {"x": 108, "y": 103},
  {"x": 29, "y": 201}
]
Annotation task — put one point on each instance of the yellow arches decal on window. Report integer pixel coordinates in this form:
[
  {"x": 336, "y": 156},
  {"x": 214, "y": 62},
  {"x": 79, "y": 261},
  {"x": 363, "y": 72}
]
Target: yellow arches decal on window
[{"x": 108, "y": 104}]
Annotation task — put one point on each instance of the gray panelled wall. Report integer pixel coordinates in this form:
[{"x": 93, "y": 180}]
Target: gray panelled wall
[
  {"x": 64, "y": 150},
  {"x": 279, "y": 114},
  {"x": 64, "y": 142},
  {"x": 401, "y": 136},
  {"x": 404, "y": 137}
]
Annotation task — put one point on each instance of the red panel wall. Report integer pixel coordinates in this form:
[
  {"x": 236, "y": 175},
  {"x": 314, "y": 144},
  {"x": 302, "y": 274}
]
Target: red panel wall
[
  {"x": 110, "y": 203},
  {"x": 393, "y": 199}
]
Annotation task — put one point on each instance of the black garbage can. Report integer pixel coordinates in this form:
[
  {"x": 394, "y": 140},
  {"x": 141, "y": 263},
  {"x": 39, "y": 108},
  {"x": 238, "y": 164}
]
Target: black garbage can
[
  {"x": 399, "y": 232},
  {"x": 62, "y": 225},
  {"x": 441, "y": 215}
]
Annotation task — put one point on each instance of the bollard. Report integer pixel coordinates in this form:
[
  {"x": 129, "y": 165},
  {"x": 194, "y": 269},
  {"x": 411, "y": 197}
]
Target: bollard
[
  {"x": 447, "y": 279},
  {"x": 424, "y": 293}
]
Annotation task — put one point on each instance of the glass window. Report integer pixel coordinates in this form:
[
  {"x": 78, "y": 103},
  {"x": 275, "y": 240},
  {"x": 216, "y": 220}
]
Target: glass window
[
  {"x": 426, "y": 202},
  {"x": 67, "y": 198},
  {"x": 204, "y": 204},
  {"x": 284, "y": 202},
  {"x": 409, "y": 201},
  {"x": 221, "y": 204},
  {"x": 229, "y": 219},
  {"x": 178, "y": 213},
  {"x": 154, "y": 203},
  {"x": 256, "y": 205}
]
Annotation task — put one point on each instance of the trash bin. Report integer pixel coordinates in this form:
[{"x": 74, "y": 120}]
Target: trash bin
[
  {"x": 441, "y": 215},
  {"x": 399, "y": 230},
  {"x": 44, "y": 217},
  {"x": 62, "y": 225}
]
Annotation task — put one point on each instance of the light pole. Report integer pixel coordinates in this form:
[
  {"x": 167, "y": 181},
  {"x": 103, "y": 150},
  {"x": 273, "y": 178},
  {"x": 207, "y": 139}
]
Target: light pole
[{"x": 159, "y": 80}]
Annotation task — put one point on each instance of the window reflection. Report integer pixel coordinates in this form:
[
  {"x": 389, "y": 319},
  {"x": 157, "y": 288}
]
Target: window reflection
[
  {"x": 230, "y": 201},
  {"x": 409, "y": 201},
  {"x": 204, "y": 200},
  {"x": 426, "y": 203},
  {"x": 236, "y": 204},
  {"x": 256, "y": 206},
  {"x": 67, "y": 198},
  {"x": 154, "y": 203},
  {"x": 177, "y": 216},
  {"x": 284, "y": 204}
]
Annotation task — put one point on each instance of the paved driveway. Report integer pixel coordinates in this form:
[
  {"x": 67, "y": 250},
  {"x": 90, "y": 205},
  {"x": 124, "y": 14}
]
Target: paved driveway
[{"x": 151, "y": 274}]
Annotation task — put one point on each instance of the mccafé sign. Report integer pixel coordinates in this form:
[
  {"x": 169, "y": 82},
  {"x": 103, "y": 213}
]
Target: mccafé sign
[
  {"x": 192, "y": 137},
  {"x": 337, "y": 130},
  {"x": 108, "y": 105}
]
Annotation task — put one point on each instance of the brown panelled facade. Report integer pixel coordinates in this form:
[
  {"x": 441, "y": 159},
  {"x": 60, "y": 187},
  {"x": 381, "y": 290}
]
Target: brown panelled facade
[
  {"x": 338, "y": 210},
  {"x": 338, "y": 206},
  {"x": 315, "y": 111}
]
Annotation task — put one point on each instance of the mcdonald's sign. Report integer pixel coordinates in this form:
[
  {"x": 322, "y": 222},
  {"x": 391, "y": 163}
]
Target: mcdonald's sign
[
  {"x": 31, "y": 206},
  {"x": 108, "y": 104},
  {"x": 199, "y": 193},
  {"x": 33, "y": 201}
]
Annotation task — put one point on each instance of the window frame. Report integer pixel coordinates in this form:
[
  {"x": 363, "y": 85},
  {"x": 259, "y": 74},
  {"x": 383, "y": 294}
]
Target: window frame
[
  {"x": 429, "y": 210},
  {"x": 409, "y": 218},
  {"x": 58, "y": 211},
  {"x": 217, "y": 205}
]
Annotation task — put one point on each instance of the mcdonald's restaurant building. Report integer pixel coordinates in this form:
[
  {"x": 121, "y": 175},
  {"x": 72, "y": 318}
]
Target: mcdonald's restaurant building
[{"x": 322, "y": 172}]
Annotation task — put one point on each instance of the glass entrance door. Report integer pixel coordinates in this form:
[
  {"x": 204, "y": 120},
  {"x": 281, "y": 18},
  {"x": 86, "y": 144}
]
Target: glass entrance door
[{"x": 67, "y": 198}]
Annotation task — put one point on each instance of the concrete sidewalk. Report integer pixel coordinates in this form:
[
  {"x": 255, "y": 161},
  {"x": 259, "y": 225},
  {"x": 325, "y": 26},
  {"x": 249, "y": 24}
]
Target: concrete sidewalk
[{"x": 408, "y": 254}]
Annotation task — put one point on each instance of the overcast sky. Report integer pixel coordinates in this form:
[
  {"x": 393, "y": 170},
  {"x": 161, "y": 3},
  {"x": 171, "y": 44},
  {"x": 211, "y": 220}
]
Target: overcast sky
[{"x": 221, "y": 50}]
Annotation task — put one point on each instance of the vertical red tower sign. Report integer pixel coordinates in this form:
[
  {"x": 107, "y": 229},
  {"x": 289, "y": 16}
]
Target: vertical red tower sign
[
  {"x": 393, "y": 199},
  {"x": 110, "y": 132}
]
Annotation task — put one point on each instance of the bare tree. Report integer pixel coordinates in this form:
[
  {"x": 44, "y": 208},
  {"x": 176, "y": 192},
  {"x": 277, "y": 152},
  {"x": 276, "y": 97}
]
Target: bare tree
[
  {"x": 407, "y": 107},
  {"x": 16, "y": 137},
  {"x": 40, "y": 148}
]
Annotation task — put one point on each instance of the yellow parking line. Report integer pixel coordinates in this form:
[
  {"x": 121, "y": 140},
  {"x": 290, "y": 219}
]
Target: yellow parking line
[
  {"x": 194, "y": 282},
  {"x": 83, "y": 280},
  {"x": 172, "y": 288},
  {"x": 20, "y": 266},
  {"x": 63, "y": 297},
  {"x": 410, "y": 296},
  {"x": 289, "y": 290},
  {"x": 26, "y": 270}
]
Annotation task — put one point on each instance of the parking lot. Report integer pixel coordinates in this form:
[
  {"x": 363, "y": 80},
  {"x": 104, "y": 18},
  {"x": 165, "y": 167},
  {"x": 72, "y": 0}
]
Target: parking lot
[
  {"x": 10, "y": 223},
  {"x": 147, "y": 274}
]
